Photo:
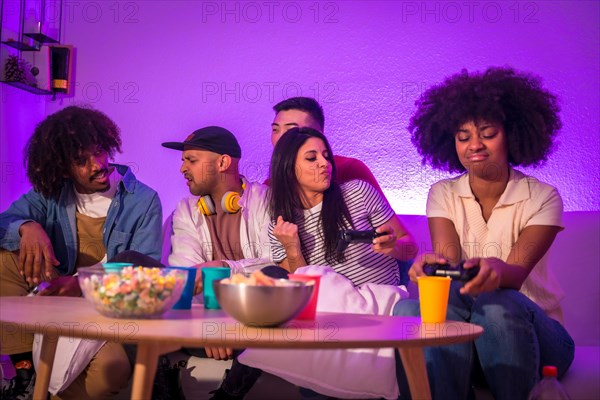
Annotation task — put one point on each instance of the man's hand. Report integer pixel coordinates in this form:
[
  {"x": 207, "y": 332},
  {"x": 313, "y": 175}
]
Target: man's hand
[
  {"x": 207, "y": 264},
  {"x": 219, "y": 353},
  {"x": 62, "y": 286},
  {"x": 36, "y": 255}
]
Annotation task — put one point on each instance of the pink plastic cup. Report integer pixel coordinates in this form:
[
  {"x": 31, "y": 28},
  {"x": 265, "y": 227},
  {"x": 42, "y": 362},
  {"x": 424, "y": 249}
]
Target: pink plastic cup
[{"x": 310, "y": 310}]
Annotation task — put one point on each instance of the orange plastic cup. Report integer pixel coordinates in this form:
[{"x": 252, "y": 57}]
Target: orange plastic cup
[
  {"x": 309, "y": 311},
  {"x": 433, "y": 297}
]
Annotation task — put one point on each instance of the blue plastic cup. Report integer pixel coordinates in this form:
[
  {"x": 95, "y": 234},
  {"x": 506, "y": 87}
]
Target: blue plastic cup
[
  {"x": 185, "y": 301},
  {"x": 209, "y": 275},
  {"x": 115, "y": 266}
]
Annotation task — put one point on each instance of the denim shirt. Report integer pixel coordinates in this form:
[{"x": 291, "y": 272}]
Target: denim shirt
[{"x": 133, "y": 221}]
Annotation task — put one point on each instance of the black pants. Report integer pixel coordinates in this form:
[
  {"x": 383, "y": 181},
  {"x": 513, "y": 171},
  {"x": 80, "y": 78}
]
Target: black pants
[{"x": 241, "y": 378}]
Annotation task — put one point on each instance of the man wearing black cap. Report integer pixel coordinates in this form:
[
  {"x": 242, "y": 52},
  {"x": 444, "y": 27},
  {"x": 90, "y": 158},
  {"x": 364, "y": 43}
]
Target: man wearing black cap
[{"x": 224, "y": 222}]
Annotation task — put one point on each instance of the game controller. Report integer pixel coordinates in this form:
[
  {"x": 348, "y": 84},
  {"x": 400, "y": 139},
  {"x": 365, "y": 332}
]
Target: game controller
[
  {"x": 347, "y": 237},
  {"x": 43, "y": 285},
  {"x": 457, "y": 272}
]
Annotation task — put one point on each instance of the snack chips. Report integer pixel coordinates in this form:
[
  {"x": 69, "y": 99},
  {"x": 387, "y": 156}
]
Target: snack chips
[{"x": 257, "y": 278}]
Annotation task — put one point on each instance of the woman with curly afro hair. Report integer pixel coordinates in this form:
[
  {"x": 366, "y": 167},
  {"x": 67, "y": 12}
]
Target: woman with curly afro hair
[{"x": 500, "y": 222}]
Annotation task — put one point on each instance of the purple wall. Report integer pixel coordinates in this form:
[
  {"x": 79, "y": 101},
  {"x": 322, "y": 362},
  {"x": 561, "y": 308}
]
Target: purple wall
[{"x": 161, "y": 69}]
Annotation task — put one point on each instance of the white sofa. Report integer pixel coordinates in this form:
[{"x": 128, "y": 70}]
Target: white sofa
[{"x": 575, "y": 260}]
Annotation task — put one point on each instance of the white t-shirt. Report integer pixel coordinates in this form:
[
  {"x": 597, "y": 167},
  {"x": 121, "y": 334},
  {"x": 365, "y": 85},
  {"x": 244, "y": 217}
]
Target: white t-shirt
[
  {"x": 368, "y": 210},
  {"x": 96, "y": 205},
  {"x": 525, "y": 202}
]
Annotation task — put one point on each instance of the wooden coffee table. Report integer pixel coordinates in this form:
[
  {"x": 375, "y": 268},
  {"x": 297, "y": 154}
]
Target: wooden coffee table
[{"x": 75, "y": 317}]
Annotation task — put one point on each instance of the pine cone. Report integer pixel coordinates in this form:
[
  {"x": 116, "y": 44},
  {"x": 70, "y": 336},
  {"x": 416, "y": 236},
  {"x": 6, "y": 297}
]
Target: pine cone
[{"x": 14, "y": 70}]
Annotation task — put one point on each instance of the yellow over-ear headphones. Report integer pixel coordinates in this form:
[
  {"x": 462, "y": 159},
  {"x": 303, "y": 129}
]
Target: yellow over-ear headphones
[{"x": 229, "y": 203}]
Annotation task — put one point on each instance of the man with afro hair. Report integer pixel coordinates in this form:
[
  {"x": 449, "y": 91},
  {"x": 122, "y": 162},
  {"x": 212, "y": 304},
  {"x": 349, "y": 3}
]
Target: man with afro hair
[
  {"x": 82, "y": 210},
  {"x": 497, "y": 219}
]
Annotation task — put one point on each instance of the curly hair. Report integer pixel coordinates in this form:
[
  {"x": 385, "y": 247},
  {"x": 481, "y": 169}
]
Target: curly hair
[
  {"x": 527, "y": 112},
  {"x": 60, "y": 140}
]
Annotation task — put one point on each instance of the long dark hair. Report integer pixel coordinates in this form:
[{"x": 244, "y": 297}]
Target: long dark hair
[
  {"x": 59, "y": 140},
  {"x": 285, "y": 197}
]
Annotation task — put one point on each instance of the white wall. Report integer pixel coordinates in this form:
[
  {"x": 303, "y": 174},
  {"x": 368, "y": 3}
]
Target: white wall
[{"x": 162, "y": 69}]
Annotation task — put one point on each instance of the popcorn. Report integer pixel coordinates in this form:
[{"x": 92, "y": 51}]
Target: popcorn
[{"x": 134, "y": 292}]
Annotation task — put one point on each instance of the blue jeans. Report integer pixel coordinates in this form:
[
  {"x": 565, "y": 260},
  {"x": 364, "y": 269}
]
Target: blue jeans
[{"x": 518, "y": 339}]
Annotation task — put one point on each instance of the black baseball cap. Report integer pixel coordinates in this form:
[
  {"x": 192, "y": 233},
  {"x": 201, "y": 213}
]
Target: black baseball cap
[{"x": 212, "y": 138}]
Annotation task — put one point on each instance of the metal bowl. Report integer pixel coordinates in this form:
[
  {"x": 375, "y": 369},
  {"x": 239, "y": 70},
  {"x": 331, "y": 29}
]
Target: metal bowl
[
  {"x": 263, "y": 305},
  {"x": 132, "y": 292}
]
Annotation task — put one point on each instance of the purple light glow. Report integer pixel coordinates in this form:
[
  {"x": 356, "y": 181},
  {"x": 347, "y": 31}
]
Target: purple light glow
[{"x": 162, "y": 69}]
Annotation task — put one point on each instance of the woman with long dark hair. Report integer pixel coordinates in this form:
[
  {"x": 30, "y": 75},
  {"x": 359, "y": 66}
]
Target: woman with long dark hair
[{"x": 310, "y": 211}]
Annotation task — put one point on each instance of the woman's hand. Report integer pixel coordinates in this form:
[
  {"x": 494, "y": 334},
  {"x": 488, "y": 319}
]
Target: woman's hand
[
  {"x": 385, "y": 243},
  {"x": 396, "y": 241},
  {"x": 287, "y": 234},
  {"x": 416, "y": 269},
  {"x": 488, "y": 278}
]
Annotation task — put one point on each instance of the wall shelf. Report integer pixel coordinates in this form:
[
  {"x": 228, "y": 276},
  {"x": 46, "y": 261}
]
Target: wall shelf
[
  {"x": 29, "y": 88},
  {"x": 31, "y": 31},
  {"x": 20, "y": 46},
  {"x": 41, "y": 38}
]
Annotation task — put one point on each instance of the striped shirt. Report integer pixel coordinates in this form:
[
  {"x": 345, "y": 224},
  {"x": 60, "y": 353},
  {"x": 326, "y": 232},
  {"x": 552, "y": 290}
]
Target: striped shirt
[{"x": 368, "y": 210}]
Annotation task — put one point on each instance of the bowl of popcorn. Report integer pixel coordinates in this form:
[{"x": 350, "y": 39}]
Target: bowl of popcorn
[
  {"x": 132, "y": 291},
  {"x": 257, "y": 300}
]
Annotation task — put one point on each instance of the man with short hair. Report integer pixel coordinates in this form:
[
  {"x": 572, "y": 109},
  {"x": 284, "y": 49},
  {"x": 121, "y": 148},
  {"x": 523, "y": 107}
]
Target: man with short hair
[
  {"x": 224, "y": 223},
  {"x": 306, "y": 112},
  {"x": 82, "y": 210}
]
